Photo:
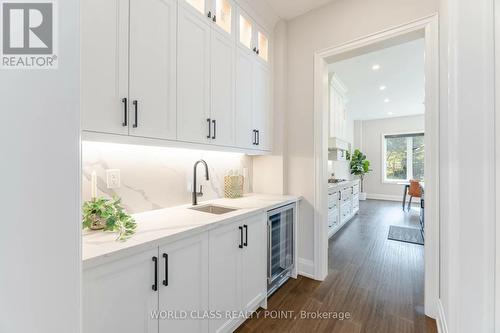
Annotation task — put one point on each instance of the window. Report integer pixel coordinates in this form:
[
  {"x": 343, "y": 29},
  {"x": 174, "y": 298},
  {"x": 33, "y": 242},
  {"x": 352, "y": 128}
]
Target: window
[{"x": 404, "y": 156}]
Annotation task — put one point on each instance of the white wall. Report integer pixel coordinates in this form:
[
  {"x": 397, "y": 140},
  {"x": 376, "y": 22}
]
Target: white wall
[
  {"x": 331, "y": 25},
  {"x": 467, "y": 134},
  {"x": 371, "y": 145},
  {"x": 40, "y": 234}
]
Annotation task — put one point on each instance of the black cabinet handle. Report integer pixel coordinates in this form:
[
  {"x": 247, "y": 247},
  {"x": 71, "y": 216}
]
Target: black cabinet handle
[
  {"x": 125, "y": 111},
  {"x": 258, "y": 138},
  {"x": 165, "y": 282},
  {"x": 241, "y": 237},
  {"x": 155, "y": 285},
  {"x": 214, "y": 122},
  {"x": 136, "y": 109},
  {"x": 209, "y": 129},
  {"x": 254, "y": 137},
  {"x": 258, "y": 51},
  {"x": 255, "y": 49},
  {"x": 246, "y": 235},
  {"x": 209, "y": 14},
  {"x": 215, "y": 18}
]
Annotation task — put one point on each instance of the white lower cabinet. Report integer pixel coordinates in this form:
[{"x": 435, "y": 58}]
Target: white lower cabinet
[
  {"x": 237, "y": 270},
  {"x": 183, "y": 285},
  {"x": 174, "y": 287},
  {"x": 343, "y": 205},
  {"x": 118, "y": 297}
]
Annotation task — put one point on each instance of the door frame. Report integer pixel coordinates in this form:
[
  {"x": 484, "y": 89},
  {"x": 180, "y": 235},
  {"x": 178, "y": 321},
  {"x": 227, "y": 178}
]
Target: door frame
[{"x": 428, "y": 28}]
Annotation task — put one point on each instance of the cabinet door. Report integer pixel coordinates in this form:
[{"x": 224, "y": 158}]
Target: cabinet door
[
  {"x": 222, "y": 112},
  {"x": 193, "y": 77},
  {"x": 262, "y": 105},
  {"x": 153, "y": 68},
  {"x": 244, "y": 99},
  {"x": 224, "y": 17},
  {"x": 254, "y": 263},
  {"x": 184, "y": 283},
  {"x": 118, "y": 297},
  {"x": 224, "y": 274},
  {"x": 262, "y": 45},
  {"x": 104, "y": 65}
]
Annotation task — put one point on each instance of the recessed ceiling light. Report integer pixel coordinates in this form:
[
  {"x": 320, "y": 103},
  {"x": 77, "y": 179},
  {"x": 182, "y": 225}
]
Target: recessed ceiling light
[
  {"x": 387, "y": 100},
  {"x": 390, "y": 113},
  {"x": 382, "y": 87},
  {"x": 376, "y": 67}
]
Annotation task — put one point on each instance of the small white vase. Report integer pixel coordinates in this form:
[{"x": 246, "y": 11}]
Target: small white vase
[{"x": 362, "y": 196}]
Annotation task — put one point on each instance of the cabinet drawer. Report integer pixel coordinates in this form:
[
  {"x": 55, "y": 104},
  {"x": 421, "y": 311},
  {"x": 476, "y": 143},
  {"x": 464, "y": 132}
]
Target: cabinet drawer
[
  {"x": 333, "y": 200},
  {"x": 333, "y": 217},
  {"x": 345, "y": 212},
  {"x": 355, "y": 189},
  {"x": 355, "y": 200},
  {"x": 346, "y": 194}
]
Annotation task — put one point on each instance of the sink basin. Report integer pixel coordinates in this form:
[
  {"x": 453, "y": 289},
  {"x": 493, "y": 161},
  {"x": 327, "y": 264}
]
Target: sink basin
[{"x": 212, "y": 209}]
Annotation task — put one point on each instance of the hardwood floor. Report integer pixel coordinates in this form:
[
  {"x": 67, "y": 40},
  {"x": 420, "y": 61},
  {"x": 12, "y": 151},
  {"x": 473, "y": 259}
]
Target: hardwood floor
[{"x": 380, "y": 282}]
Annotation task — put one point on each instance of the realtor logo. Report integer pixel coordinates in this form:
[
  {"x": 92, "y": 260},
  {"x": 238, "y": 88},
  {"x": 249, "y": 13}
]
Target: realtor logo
[{"x": 28, "y": 34}]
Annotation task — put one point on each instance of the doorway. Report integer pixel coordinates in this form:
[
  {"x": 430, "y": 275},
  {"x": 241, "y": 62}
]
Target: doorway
[{"x": 425, "y": 30}]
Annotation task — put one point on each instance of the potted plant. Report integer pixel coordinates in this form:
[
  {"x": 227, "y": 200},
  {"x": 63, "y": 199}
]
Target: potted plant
[
  {"x": 360, "y": 166},
  {"x": 108, "y": 215}
]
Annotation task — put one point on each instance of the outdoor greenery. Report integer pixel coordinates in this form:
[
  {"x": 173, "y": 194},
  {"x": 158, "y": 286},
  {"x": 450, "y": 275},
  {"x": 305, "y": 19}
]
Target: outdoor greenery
[
  {"x": 108, "y": 215},
  {"x": 401, "y": 163},
  {"x": 360, "y": 166}
]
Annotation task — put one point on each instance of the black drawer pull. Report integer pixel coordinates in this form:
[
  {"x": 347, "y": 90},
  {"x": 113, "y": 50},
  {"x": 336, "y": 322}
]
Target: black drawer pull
[
  {"x": 241, "y": 237},
  {"x": 214, "y": 122},
  {"x": 165, "y": 282},
  {"x": 155, "y": 285},
  {"x": 209, "y": 136},
  {"x": 136, "y": 106},
  {"x": 125, "y": 111},
  {"x": 246, "y": 235}
]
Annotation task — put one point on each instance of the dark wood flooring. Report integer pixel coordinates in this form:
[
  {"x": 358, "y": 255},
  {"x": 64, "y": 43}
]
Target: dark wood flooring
[{"x": 380, "y": 282}]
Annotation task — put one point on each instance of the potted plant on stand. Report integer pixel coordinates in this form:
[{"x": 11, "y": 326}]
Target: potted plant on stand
[{"x": 360, "y": 166}]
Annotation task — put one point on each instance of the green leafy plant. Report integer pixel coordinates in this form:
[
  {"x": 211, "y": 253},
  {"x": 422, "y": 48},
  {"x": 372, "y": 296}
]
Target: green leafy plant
[
  {"x": 108, "y": 215},
  {"x": 360, "y": 166}
]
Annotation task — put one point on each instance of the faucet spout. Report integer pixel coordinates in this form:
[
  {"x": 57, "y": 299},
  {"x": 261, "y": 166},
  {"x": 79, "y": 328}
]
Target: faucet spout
[{"x": 195, "y": 181}]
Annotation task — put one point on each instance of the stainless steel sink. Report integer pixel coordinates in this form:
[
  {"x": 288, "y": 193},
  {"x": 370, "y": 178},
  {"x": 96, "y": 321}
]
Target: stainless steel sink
[{"x": 213, "y": 209}]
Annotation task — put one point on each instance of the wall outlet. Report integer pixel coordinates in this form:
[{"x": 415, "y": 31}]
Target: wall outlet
[{"x": 113, "y": 178}]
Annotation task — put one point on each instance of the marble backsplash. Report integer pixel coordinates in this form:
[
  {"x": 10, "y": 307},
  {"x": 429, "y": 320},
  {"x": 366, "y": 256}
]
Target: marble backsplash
[{"x": 157, "y": 177}]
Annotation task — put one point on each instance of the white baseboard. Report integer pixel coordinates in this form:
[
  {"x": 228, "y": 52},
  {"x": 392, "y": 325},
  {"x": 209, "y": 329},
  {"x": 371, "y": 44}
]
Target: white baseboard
[
  {"x": 306, "y": 268},
  {"x": 441, "y": 319},
  {"x": 388, "y": 197}
]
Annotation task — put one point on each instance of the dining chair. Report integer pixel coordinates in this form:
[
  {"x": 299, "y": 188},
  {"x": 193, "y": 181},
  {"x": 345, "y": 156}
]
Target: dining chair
[{"x": 414, "y": 191}]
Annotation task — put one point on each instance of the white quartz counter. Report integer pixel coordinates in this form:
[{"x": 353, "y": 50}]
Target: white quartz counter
[
  {"x": 166, "y": 225},
  {"x": 343, "y": 184}
]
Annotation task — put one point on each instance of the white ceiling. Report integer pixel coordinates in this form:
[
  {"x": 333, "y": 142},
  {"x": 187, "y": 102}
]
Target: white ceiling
[
  {"x": 288, "y": 9},
  {"x": 401, "y": 70}
]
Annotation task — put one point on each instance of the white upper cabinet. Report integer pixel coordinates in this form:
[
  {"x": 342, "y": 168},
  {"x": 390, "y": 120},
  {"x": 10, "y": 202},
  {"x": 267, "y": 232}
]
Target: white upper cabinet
[
  {"x": 105, "y": 66},
  {"x": 152, "y": 110},
  {"x": 193, "y": 77},
  {"x": 262, "y": 106},
  {"x": 253, "y": 87},
  {"x": 245, "y": 135},
  {"x": 194, "y": 71},
  {"x": 222, "y": 111},
  {"x": 338, "y": 110}
]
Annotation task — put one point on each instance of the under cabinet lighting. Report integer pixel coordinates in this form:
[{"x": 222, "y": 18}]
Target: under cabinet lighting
[
  {"x": 376, "y": 67},
  {"x": 382, "y": 88},
  {"x": 387, "y": 100}
]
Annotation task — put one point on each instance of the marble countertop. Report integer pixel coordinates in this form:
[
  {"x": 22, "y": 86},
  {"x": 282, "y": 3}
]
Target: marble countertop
[
  {"x": 344, "y": 183},
  {"x": 163, "y": 226}
]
